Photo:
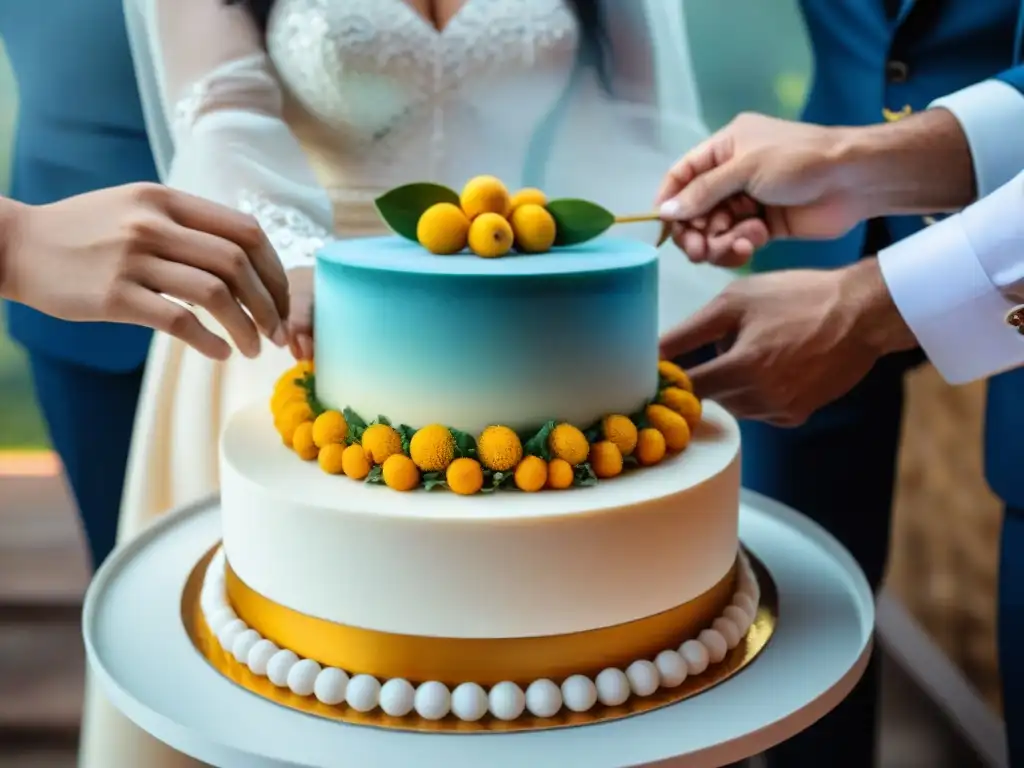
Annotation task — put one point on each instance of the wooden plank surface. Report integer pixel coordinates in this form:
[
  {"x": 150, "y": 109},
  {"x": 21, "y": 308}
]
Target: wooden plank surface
[
  {"x": 42, "y": 558},
  {"x": 42, "y": 674}
]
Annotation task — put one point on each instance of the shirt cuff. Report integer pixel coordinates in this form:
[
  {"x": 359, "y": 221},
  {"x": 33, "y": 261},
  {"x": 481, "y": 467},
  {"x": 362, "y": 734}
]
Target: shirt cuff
[
  {"x": 990, "y": 114},
  {"x": 943, "y": 293}
]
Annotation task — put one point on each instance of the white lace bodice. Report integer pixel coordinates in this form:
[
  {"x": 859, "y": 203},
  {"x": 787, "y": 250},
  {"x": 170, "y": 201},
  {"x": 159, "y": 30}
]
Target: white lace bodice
[
  {"x": 342, "y": 99},
  {"x": 399, "y": 101}
]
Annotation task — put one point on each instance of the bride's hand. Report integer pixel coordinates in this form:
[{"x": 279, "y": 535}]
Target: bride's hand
[
  {"x": 300, "y": 320},
  {"x": 116, "y": 254}
]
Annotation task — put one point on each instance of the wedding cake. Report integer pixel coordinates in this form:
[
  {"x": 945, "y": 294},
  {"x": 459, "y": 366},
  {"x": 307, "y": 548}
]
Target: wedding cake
[{"x": 492, "y": 500}]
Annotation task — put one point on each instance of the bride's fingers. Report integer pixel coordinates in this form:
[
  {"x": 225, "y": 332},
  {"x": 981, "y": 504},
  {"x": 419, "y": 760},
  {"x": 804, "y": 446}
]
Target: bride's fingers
[
  {"x": 735, "y": 247},
  {"x": 689, "y": 241},
  {"x": 720, "y": 220},
  {"x": 205, "y": 290},
  {"x": 137, "y": 305},
  {"x": 300, "y": 318},
  {"x": 232, "y": 266}
]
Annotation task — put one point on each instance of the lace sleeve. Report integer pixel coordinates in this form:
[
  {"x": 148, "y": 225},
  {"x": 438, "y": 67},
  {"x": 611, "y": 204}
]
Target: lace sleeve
[{"x": 214, "y": 111}]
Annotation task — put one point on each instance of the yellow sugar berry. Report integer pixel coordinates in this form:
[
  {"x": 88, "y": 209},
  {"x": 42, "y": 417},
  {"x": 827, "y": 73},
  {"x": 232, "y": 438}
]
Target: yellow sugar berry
[
  {"x": 432, "y": 448},
  {"x": 443, "y": 229},
  {"x": 671, "y": 425},
  {"x": 605, "y": 459},
  {"x": 485, "y": 194},
  {"x": 290, "y": 417},
  {"x": 529, "y": 195},
  {"x": 381, "y": 442},
  {"x": 531, "y": 474},
  {"x": 674, "y": 375},
  {"x": 499, "y": 448},
  {"x": 293, "y": 374},
  {"x": 286, "y": 396},
  {"x": 490, "y": 236},
  {"x": 302, "y": 441},
  {"x": 329, "y": 427},
  {"x": 465, "y": 476},
  {"x": 560, "y": 474},
  {"x": 621, "y": 431},
  {"x": 332, "y": 458},
  {"x": 684, "y": 403},
  {"x": 355, "y": 463},
  {"x": 400, "y": 474},
  {"x": 568, "y": 443},
  {"x": 650, "y": 447},
  {"x": 533, "y": 228}
]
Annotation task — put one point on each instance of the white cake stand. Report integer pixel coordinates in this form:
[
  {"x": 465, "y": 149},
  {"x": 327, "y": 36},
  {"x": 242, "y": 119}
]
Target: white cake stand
[{"x": 140, "y": 653}]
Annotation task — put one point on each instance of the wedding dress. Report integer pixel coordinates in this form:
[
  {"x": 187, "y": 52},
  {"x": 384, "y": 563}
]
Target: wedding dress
[{"x": 342, "y": 100}]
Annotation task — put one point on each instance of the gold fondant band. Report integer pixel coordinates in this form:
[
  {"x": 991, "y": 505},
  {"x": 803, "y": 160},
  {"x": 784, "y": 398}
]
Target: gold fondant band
[{"x": 485, "y": 661}]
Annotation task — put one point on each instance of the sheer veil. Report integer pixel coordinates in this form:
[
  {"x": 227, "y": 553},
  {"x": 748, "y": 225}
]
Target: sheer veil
[{"x": 610, "y": 138}]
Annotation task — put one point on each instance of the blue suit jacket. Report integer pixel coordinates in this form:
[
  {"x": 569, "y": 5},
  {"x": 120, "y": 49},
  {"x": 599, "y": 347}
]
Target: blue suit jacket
[
  {"x": 866, "y": 62},
  {"x": 80, "y": 128}
]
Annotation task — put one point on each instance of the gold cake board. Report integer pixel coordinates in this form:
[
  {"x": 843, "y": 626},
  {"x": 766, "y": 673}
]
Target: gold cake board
[{"x": 756, "y": 640}]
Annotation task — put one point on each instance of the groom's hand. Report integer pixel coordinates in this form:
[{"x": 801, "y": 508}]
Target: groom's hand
[
  {"x": 761, "y": 178},
  {"x": 757, "y": 179},
  {"x": 791, "y": 342}
]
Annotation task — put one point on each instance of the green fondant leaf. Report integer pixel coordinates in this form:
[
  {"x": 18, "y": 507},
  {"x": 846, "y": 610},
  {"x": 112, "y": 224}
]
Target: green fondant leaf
[
  {"x": 640, "y": 418},
  {"x": 595, "y": 433},
  {"x": 465, "y": 444},
  {"x": 381, "y": 420},
  {"x": 356, "y": 426},
  {"x": 308, "y": 383},
  {"x": 402, "y": 207},
  {"x": 577, "y": 221},
  {"x": 376, "y": 475},
  {"x": 663, "y": 383},
  {"x": 405, "y": 432},
  {"x": 432, "y": 480},
  {"x": 494, "y": 481},
  {"x": 538, "y": 444},
  {"x": 583, "y": 475},
  {"x": 353, "y": 419}
]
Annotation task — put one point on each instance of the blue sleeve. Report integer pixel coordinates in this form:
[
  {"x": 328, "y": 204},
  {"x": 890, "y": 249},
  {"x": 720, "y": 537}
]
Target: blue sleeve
[{"x": 991, "y": 114}]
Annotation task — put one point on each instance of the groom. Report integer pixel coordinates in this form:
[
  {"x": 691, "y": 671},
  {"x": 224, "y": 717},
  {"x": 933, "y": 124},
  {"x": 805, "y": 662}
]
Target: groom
[{"x": 878, "y": 61}]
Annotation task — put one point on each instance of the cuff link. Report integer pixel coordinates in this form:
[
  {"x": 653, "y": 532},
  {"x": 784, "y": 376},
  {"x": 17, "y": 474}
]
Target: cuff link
[{"x": 1015, "y": 318}]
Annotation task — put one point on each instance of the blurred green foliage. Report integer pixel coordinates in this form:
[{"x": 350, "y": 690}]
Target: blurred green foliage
[{"x": 750, "y": 57}]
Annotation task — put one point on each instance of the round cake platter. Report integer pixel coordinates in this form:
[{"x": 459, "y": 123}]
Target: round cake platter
[{"x": 141, "y": 654}]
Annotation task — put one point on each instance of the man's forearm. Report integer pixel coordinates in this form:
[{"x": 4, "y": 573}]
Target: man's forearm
[{"x": 921, "y": 164}]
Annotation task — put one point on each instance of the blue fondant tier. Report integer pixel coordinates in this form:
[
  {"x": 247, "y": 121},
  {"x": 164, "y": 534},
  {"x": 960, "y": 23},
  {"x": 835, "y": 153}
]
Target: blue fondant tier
[{"x": 467, "y": 342}]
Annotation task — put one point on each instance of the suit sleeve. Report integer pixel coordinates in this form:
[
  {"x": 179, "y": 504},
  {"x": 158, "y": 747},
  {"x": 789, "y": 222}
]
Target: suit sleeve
[
  {"x": 991, "y": 114},
  {"x": 956, "y": 283}
]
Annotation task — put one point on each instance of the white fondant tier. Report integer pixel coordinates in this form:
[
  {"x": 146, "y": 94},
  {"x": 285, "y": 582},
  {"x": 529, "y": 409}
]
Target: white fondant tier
[
  {"x": 506, "y": 564},
  {"x": 469, "y": 701}
]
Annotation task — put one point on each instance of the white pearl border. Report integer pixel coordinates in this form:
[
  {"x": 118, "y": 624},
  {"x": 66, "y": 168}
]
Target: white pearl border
[{"x": 470, "y": 702}]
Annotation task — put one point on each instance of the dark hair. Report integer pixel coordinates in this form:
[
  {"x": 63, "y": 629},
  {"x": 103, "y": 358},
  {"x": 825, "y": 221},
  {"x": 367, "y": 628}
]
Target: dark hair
[{"x": 588, "y": 15}]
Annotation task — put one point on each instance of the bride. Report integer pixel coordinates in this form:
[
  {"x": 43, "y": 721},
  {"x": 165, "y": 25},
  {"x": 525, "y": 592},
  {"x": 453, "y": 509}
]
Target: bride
[{"x": 301, "y": 112}]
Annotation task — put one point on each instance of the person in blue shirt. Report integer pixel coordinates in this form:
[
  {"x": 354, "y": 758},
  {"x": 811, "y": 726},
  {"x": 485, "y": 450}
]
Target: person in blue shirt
[
  {"x": 876, "y": 61},
  {"x": 80, "y": 129}
]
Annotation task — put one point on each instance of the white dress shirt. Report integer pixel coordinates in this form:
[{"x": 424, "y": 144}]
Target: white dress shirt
[{"x": 957, "y": 282}]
